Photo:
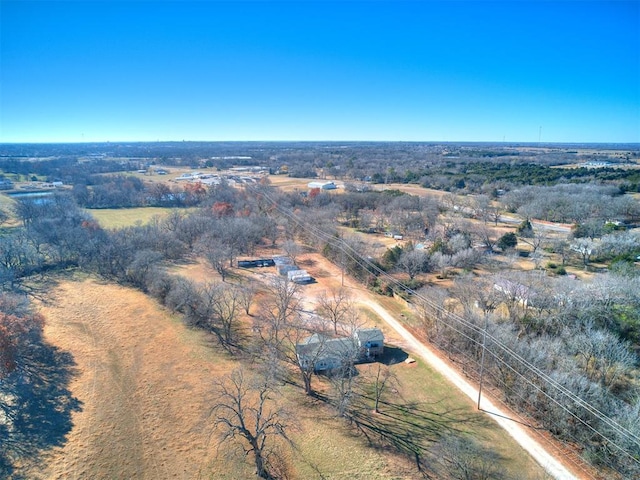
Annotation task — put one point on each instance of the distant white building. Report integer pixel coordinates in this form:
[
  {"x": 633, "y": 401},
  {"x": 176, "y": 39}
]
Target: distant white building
[
  {"x": 299, "y": 276},
  {"x": 189, "y": 176},
  {"x": 322, "y": 185}
]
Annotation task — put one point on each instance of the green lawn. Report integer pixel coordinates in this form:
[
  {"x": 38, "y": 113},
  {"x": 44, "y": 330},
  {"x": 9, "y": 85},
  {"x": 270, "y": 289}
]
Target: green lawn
[{"x": 126, "y": 217}]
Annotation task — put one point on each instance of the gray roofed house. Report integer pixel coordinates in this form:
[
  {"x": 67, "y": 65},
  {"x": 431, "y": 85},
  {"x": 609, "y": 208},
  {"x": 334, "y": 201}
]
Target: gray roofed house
[
  {"x": 326, "y": 353},
  {"x": 370, "y": 341}
]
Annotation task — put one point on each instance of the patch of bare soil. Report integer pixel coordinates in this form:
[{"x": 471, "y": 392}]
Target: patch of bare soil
[{"x": 143, "y": 384}]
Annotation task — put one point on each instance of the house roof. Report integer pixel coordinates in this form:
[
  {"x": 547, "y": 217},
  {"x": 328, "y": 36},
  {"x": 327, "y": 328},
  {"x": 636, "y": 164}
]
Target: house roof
[
  {"x": 365, "y": 335},
  {"x": 319, "y": 346}
]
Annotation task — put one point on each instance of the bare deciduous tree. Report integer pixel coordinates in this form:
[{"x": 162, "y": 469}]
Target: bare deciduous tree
[
  {"x": 536, "y": 239},
  {"x": 244, "y": 409},
  {"x": 475, "y": 294},
  {"x": 430, "y": 306},
  {"x": 280, "y": 307},
  {"x": 344, "y": 381},
  {"x": 216, "y": 254},
  {"x": 334, "y": 305},
  {"x": 246, "y": 294},
  {"x": 302, "y": 348},
  {"x": 413, "y": 262},
  {"x": 225, "y": 305},
  {"x": 459, "y": 458},
  {"x": 604, "y": 357},
  {"x": 486, "y": 236},
  {"x": 384, "y": 380},
  {"x": 585, "y": 247},
  {"x": 292, "y": 249},
  {"x": 282, "y": 328},
  {"x": 442, "y": 262}
]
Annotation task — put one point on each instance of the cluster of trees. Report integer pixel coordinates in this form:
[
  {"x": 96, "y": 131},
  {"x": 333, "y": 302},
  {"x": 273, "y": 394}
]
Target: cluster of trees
[
  {"x": 579, "y": 204},
  {"x": 124, "y": 191},
  {"x": 19, "y": 330},
  {"x": 550, "y": 341},
  {"x": 580, "y": 335},
  {"x": 56, "y": 233},
  {"x": 567, "y": 329},
  {"x": 66, "y": 168},
  {"x": 475, "y": 175}
]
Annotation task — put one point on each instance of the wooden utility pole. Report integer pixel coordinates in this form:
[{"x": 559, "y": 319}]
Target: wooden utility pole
[{"x": 484, "y": 346}]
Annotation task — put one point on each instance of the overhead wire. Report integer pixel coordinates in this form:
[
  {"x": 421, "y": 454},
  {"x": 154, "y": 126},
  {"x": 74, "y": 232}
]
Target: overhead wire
[{"x": 346, "y": 249}]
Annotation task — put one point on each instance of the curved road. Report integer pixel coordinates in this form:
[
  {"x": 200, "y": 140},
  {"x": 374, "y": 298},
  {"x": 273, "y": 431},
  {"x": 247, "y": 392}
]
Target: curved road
[
  {"x": 555, "y": 468},
  {"x": 551, "y": 464}
]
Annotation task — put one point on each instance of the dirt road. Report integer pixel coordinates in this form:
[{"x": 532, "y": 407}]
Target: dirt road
[
  {"x": 544, "y": 458},
  {"x": 552, "y": 465}
]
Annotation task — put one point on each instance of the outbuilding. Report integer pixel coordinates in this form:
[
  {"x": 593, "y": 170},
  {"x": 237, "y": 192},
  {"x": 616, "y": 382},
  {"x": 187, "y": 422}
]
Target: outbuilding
[{"x": 322, "y": 185}]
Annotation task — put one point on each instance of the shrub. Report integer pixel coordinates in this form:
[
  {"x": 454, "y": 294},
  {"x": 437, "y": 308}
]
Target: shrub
[
  {"x": 508, "y": 240},
  {"x": 525, "y": 229}
]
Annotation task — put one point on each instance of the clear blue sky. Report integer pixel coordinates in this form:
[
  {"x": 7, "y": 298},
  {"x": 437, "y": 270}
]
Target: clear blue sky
[{"x": 419, "y": 71}]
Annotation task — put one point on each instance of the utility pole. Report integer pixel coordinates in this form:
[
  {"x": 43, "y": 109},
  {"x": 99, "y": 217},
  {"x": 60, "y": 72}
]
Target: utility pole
[
  {"x": 342, "y": 262},
  {"x": 484, "y": 346}
]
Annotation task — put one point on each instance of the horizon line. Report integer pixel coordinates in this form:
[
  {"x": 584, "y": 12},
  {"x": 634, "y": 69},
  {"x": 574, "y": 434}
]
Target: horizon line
[{"x": 503, "y": 142}]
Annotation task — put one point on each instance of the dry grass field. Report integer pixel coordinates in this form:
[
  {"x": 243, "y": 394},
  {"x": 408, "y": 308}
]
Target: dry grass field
[
  {"x": 290, "y": 184},
  {"x": 144, "y": 381},
  {"x": 145, "y": 384}
]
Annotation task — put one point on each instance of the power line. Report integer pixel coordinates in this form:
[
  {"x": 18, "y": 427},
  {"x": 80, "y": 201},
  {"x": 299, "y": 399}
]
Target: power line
[{"x": 346, "y": 249}]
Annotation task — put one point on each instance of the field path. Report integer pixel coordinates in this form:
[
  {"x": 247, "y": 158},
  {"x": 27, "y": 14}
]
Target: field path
[{"x": 143, "y": 381}]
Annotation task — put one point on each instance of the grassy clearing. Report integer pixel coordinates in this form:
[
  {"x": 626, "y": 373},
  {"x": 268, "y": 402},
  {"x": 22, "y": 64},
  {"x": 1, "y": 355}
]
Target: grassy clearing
[
  {"x": 426, "y": 406},
  {"x": 126, "y": 217},
  {"x": 144, "y": 381},
  {"x": 290, "y": 184}
]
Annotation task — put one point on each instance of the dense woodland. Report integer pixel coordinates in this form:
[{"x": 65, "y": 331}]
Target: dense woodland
[{"x": 544, "y": 327}]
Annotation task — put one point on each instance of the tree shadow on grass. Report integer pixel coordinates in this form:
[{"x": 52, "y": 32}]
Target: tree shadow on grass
[
  {"x": 36, "y": 409},
  {"x": 410, "y": 429}
]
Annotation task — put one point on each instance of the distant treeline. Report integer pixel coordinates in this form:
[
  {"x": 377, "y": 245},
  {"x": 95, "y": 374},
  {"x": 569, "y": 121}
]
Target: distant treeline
[
  {"x": 463, "y": 167},
  {"x": 65, "y": 169}
]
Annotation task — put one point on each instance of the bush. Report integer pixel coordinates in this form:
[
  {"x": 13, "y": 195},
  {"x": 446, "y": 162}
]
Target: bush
[
  {"x": 508, "y": 240},
  {"x": 383, "y": 288},
  {"x": 525, "y": 229},
  {"x": 401, "y": 290}
]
